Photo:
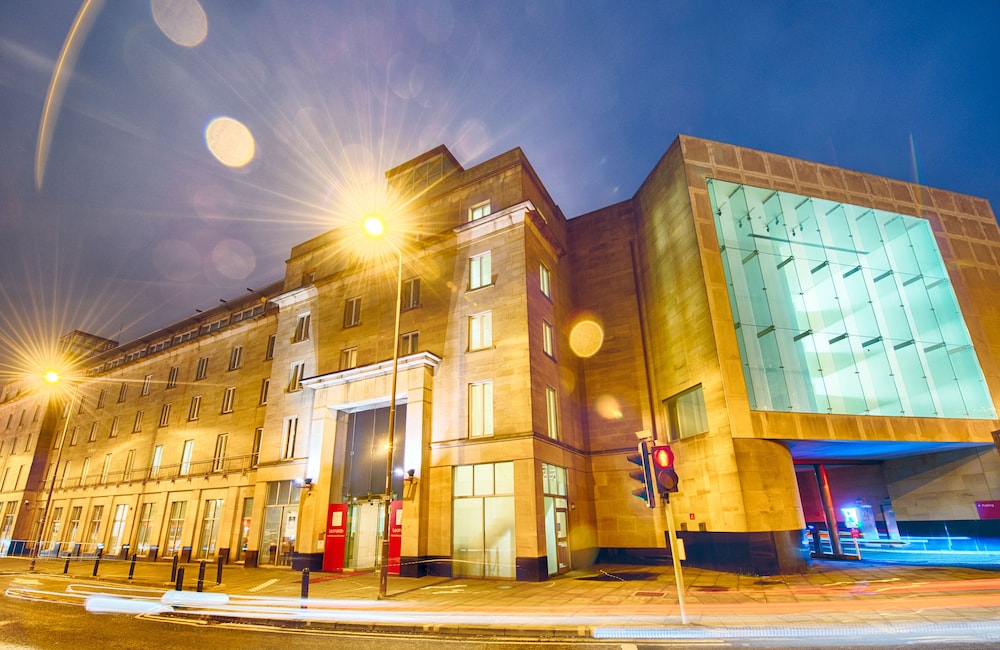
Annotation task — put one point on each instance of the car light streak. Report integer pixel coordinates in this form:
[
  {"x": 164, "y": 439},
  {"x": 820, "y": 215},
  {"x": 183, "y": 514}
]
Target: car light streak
[{"x": 117, "y": 605}]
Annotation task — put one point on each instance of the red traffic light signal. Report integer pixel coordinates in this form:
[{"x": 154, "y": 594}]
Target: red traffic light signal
[{"x": 663, "y": 469}]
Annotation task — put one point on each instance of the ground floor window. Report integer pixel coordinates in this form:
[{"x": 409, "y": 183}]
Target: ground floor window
[
  {"x": 241, "y": 549},
  {"x": 556, "y": 518},
  {"x": 118, "y": 528},
  {"x": 281, "y": 516},
  {"x": 210, "y": 528},
  {"x": 483, "y": 537},
  {"x": 175, "y": 526},
  {"x": 144, "y": 536}
]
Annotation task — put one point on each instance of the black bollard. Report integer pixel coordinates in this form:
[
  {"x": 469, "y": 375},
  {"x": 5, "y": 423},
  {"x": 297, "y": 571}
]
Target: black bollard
[
  {"x": 131, "y": 568},
  {"x": 66, "y": 566},
  {"x": 173, "y": 568},
  {"x": 201, "y": 576},
  {"x": 180, "y": 580},
  {"x": 97, "y": 563},
  {"x": 305, "y": 587},
  {"x": 218, "y": 571}
]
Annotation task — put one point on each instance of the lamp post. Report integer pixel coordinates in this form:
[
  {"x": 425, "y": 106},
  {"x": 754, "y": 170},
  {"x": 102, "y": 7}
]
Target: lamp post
[
  {"x": 52, "y": 377},
  {"x": 375, "y": 227}
]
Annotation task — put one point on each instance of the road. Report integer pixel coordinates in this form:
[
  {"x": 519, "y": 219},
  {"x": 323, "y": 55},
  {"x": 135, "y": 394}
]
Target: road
[{"x": 43, "y": 612}]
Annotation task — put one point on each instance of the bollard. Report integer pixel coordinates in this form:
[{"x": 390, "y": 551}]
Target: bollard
[
  {"x": 131, "y": 568},
  {"x": 218, "y": 571},
  {"x": 305, "y": 587},
  {"x": 66, "y": 566},
  {"x": 180, "y": 580},
  {"x": 201, "y": 576},
  {"x": 97, "y": 563},
  {"x": 173, "y": 569}
]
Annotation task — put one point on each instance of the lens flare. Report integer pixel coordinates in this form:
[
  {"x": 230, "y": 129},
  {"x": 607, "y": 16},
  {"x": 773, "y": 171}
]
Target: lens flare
[
  {"x": 182, "y": 21},
  {"x": 608, "y": 408},
  {"x": 586, "y": 337},
  {"x": 230, "y": 141}
]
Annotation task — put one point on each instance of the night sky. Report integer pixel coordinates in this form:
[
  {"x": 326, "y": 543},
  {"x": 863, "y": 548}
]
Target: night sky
[{"x": 132, "y": 223}]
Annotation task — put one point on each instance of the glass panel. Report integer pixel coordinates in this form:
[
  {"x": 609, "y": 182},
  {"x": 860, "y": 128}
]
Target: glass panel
[
  {"x": 503, "y": 477},
  {"x": 843, "y": 309},
  {"x": 463, "y": 481},
  {"x": 483, "y": 479},
  {"x": 499, "y": 559},
  {"x": 467, "y": 539}
]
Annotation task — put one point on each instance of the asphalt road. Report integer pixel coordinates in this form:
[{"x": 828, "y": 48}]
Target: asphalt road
[{"x": 58, "y": 619}]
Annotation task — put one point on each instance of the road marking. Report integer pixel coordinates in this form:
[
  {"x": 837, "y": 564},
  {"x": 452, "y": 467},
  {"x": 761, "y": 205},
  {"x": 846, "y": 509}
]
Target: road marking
[
  {"x": 26, "y": 581},
  {"x": 262, "y": 585}
]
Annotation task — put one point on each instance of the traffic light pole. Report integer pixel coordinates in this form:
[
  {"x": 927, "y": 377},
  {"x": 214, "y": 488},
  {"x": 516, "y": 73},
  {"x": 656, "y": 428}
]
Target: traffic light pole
[{"x": 675, "y": 554}]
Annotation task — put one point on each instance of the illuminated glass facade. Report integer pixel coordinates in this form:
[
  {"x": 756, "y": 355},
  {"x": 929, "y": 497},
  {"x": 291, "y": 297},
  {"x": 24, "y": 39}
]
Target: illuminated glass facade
[{"x": 843, "y": 309}]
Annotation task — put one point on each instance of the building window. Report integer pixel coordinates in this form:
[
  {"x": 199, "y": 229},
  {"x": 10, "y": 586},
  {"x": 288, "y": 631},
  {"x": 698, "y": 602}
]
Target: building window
[
  {"x": 129, "y": 464},
  {"x": 165, "y": 415},
  {"x": 301, "y": 328},
  {"x": 411, "y": 293},
  {"x": 93, "y": 432},
  {"x": 349, "y": 358},
  {"x": 480, "y": 271},
  {"x": 145, "y": 533},
  {"x": 265, "y": 384},
  {"x": 202, "y": 369},
  {"x": 79, "y": 410},
  {"x": 195, "y": 408},
  {"x": 409, "y": 343},
  {"x": 172, "y": 376},
  {"x": 175, "y": 527},
  {"x": 74, "y": 436},
  {"x": 96, "y": 514},
  {"x": 481, "y": 330},
  {"x": 547, "y": 347},
  {"x": 228, "y": 398},
  {"x": 484, "y": 528},
  {"x": 269, "y": 352},
  {"x": 106, "y": 470},
  {"x": 481, "y": 409},
  {"x": 258, "y": 435},
  {"x": 137, "y": 427},
  {"x": 290, "y": 431},
  {"x": 552, "y": 412},
  {"x": 186, "y": 455},
  {"x": 686, "y": 413},
  {"x": 122, "y": 392},
  {"x": 210, "y": 527},
  {"x": 544, "y": 280},
  {"x": 352, "y": 312},
  {"x": 147, "y": 380},
  {"x": 113, "y": 433},
  {"x": 101, "y": 398},
  {"x": 219, "y": 457},
  {"x": 236, "y": 357},
  {"x": 479, "y": 210},
  {"x": 295, "y": 373},
  {"x": 154, "y": 465}
]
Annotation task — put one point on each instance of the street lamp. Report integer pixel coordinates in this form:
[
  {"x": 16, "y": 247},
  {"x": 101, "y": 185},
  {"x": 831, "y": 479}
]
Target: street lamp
[
  {"x": 375, "y": 227},
  {"x": 52, "y": 377}
]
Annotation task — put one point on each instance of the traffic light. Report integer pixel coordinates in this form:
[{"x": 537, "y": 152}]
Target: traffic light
[
  {"x": 663, "y": 469},
  {"x": 644, "y": 475}
]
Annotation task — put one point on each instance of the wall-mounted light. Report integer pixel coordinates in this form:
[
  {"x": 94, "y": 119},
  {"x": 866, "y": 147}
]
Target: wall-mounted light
[{"x": 410, "y": 475}]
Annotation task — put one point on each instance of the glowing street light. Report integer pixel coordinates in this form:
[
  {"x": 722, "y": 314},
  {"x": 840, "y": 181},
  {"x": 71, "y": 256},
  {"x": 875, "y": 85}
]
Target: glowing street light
[
  {"x": 375, "y": 227},
  {"x": 51, "y": 377}
]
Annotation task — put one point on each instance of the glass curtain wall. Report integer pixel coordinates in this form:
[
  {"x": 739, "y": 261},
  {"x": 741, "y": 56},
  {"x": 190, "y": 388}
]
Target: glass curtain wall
[{"x": 843, "y": 309}]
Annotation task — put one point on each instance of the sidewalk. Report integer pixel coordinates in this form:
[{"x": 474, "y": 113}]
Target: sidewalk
[{"x": 603, "y": 602}]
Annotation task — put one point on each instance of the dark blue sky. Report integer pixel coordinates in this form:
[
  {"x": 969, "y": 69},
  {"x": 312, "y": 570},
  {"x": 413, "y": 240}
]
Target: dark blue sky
[{"x": 137, "y": 225}]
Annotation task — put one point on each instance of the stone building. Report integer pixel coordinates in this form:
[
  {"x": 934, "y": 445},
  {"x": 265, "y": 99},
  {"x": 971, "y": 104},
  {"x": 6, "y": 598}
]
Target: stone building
[{"x": 817, "y": 345}]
